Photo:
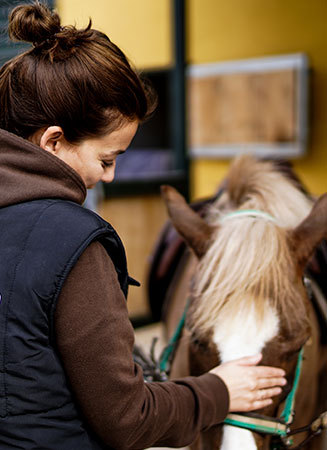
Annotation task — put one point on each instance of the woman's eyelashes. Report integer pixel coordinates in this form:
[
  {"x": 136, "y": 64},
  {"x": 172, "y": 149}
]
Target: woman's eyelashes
[{"x": 107, "y": 164}]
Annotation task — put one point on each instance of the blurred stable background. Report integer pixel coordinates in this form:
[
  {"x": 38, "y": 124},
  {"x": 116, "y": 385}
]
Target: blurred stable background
[{"x": 231, "y": 76}]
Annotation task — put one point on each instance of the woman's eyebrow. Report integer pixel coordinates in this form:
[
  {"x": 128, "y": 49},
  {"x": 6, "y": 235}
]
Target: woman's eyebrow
[{"x": 112, "y": 153}]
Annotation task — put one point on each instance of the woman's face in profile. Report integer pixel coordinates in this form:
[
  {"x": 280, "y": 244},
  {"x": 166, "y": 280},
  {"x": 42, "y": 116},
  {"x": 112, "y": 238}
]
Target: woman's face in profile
[{"x": 93, "y": 159}]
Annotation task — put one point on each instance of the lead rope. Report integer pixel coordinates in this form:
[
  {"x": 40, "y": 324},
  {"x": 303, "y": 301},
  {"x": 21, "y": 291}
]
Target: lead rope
[
  {"x": 256, "y": 422},
  {"x": 267, "y": 425},
  {"x": 167, "y": 355},
  {"x": 315, "y": 428},
  {"x": 158, "y": 370}
]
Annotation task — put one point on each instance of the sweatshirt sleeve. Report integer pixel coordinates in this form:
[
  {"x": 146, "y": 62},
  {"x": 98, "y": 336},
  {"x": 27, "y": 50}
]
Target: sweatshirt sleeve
[{"x": 95, "y": 340}]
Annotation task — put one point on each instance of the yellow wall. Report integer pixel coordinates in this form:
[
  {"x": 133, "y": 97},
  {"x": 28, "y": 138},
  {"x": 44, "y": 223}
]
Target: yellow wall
[
  {"x": 220, "y": 30},
  {"x": 141, "y": 28},
  {"x": 217, "y": 30}
]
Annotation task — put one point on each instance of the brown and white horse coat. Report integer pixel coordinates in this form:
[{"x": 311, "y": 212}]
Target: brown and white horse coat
[{"x": 247, "y": 292}]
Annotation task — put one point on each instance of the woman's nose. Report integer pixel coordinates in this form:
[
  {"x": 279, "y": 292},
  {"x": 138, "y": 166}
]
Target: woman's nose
[{"x": 109, "y": 174}]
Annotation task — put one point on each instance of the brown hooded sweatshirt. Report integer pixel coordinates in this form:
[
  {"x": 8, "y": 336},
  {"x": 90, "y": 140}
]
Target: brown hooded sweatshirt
[{"x": 94, "y": 335}]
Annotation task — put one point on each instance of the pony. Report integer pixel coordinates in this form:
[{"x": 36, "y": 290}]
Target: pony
[{"x": 244, "y": 283}]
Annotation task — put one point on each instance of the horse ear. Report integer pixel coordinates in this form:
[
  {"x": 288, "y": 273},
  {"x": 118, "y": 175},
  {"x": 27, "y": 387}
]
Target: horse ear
[
  {"x": 306, "y": 236},
  {"x": 188, "y": 223}
]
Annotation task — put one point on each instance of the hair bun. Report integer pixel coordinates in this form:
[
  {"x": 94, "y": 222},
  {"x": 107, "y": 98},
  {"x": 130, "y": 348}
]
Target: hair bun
[{"x": 33, "y": 23}]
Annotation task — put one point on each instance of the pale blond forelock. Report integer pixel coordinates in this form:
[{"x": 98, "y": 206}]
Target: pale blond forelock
[
  {"x": 255, "y": 184},
  {"x": 249, "y": 259}
]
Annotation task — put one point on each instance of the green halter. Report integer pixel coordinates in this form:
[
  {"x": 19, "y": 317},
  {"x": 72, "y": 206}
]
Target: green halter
[
  {"x": 248, "y": 213},
  {"x": 267, "y": 425},
  {"x": 250, "y": 421},
  {"x": 255, "y": 422}
]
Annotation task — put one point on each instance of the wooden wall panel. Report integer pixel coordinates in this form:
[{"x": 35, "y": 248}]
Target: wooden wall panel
[{"x": 138, "y": 221}]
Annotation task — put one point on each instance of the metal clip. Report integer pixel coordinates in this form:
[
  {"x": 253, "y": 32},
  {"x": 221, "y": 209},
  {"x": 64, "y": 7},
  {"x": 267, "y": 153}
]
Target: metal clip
[
  {"x": 287, "y": 441},
  {"x": 320, "y": 422}
]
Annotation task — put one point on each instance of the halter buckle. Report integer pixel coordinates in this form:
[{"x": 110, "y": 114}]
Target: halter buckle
[{"x": 320, "y": 422}]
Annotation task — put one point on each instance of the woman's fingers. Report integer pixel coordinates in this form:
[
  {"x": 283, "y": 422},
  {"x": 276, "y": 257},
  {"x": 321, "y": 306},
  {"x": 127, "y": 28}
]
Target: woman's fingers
[
  {"x": 266, "y": 372},
  {"x": 269, "y": 382},
  {"x": 264, "y": 394},
  {"x": 248, "y": 360},
  {"x": 250, "y": 387},
  {"x": 261, "y": 399},
  {"x": 262, "y": 371},
  {"x": 258, "y": 404}
]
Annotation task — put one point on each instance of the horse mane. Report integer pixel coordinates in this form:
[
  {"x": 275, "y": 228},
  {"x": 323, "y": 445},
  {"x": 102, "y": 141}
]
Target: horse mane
[{"x": 249, "y": 261}]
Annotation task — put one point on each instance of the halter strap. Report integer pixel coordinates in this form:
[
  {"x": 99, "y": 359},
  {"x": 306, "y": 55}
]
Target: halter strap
[
  {"x": 258, "y": 423},
  {"x": 269, "y": 425},
  {"x": 288, "y": 413},
  {"x": 252, "y": 421},
  {"x": 248, "y": 213}
]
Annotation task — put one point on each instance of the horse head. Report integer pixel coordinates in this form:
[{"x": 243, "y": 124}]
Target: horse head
[{"x": 247, "y": 294}]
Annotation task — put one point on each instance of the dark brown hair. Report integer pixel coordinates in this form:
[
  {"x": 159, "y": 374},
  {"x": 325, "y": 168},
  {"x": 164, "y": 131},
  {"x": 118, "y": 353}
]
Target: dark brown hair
[{"x": 76, "y": 79}]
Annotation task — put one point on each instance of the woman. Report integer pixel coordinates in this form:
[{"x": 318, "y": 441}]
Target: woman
[{"x": 68, "y": 107}]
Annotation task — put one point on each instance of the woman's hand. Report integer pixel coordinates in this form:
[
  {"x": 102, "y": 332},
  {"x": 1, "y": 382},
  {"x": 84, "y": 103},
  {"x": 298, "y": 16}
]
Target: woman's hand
[{"x": 250, "y": 387}]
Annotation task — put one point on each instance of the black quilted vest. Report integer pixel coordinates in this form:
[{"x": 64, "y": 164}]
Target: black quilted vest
[{"x": 40, "y": 241}]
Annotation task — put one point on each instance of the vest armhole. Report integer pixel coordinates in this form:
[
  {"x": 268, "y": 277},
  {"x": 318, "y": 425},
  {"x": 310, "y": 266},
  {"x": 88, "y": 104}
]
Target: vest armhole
[{"x": 115, "y": 250}]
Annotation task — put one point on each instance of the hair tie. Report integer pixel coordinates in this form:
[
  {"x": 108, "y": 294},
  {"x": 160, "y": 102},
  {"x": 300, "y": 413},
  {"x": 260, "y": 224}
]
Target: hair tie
[{"x": 52, "y": 37}]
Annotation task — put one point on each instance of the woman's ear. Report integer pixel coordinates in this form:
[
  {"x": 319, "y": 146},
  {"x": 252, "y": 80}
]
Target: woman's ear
[{"x": 50, "y": 138}]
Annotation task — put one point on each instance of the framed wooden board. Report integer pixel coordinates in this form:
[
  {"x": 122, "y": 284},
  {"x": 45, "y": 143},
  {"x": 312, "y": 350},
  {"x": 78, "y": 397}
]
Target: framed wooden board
[{"x": 257, "y": 106}]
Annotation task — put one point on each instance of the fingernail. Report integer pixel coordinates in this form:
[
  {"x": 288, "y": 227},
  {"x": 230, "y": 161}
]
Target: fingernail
[{"x": 284, "y": 381}]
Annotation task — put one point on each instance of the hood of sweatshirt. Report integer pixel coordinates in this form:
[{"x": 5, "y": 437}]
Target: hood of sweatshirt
[{"x": 27, "y": 172}]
